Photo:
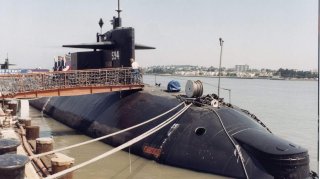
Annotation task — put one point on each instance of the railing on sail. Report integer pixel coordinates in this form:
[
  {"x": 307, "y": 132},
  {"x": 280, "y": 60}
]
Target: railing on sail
[{"x": 69, "y": 83}]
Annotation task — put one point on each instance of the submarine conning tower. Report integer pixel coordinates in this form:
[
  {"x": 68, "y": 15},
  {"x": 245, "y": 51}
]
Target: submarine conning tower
[{"x": 112, "y": 49}]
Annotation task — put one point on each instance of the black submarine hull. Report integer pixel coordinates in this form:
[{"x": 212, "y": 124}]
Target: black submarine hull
[{"x": 196, "y": 140}]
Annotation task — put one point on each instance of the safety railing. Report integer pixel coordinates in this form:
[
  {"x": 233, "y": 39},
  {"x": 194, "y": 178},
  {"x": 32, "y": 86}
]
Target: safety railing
[{"x": 33, "y": 82}]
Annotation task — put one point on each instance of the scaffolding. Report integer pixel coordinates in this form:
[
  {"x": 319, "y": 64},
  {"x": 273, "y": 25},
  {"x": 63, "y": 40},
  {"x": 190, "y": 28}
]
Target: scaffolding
[{"x": 69, "y": 83}]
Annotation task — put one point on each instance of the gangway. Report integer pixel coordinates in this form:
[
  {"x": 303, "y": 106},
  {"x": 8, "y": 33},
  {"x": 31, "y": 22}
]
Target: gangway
[{"x": 69, "y": 83}]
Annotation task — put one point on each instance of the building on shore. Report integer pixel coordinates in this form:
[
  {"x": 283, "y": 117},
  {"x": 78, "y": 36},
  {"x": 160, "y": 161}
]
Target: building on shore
[{"x": 241, "y": 68}]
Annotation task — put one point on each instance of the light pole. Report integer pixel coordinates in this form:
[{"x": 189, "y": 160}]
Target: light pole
[{"x": 221, "y": 45}]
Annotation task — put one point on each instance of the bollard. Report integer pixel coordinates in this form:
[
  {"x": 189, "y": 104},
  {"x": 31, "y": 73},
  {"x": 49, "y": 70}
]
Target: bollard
[
  {"x": 32, "y": 132},
  {"x": 12, "y": 166},
  {"x": 9, "y": 146},
  {"x": 25, "y": 121},
  {"x": 44, "y": 144},
  {"x": 61, "y": 162}
]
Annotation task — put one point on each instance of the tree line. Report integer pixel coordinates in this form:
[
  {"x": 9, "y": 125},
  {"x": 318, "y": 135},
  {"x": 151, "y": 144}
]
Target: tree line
[{"x": 287, "y": 73}]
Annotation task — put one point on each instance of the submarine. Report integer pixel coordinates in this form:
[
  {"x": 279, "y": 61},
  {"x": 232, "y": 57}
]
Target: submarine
[
  {"x": 6, "y": 64},
  {"x": 210, "y": 136}
]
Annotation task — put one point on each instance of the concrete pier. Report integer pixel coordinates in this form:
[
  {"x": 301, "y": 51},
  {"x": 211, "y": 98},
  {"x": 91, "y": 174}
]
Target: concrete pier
[
  {"x": 12, "y": 144},
  {"x": 19, "y": 140},
  {"x": 30, "y": 172}
]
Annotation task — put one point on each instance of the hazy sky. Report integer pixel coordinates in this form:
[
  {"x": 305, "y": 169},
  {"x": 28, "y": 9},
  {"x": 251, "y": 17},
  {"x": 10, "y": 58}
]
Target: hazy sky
[{"x": 260, "y": 33}]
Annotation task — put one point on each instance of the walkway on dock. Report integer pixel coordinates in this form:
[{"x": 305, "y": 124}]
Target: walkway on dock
[{"x": 69, "y": 83}]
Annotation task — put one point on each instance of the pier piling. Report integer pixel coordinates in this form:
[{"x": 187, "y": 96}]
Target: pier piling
[
  {"x": 61, "y": 162},
  {"x": 44, "y": 144},
  {"x": 32, "y": 132}
]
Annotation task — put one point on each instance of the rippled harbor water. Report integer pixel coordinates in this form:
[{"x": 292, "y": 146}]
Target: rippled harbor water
[{"x": 288, "y": 108}]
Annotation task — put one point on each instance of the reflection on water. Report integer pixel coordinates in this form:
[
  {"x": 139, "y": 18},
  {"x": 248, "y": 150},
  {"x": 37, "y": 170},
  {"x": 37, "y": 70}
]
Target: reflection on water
[{"x": 117, "y": 166}]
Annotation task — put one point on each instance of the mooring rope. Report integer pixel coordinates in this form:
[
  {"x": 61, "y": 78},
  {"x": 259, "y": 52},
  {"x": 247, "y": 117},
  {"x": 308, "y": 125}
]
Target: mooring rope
[
  {"x": 237, "y": 147},
  {"x": 45, "y": 105},
  {"x": 106, "y": 136},
  {"x": 122, "y": 146}
]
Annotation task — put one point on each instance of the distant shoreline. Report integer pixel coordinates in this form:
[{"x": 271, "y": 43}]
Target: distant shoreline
[{"x": 234, "y": 77}]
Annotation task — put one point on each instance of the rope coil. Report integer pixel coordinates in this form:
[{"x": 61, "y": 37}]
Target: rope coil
[{"x": 194, "y": 88}]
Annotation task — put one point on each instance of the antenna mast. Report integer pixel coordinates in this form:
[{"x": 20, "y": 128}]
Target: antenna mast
[
  {"x": 116, "y": 22},
  {"x": 221, "y": 45},
  {"x": 118, "y": 10}
]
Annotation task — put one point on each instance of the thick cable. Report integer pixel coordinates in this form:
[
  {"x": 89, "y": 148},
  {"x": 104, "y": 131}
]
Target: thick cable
[
  {"x": 28, "y": 149},
  {"x": 237, "y": 147},
  {"x": 106, "y": 136},
  {"x": 122, "y": 146}
]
